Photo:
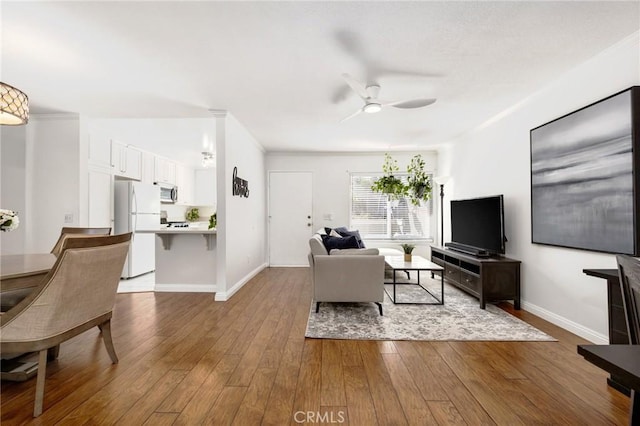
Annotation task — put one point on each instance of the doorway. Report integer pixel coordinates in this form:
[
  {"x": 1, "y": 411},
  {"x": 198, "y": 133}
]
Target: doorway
[{"x": 290, "y": 217}]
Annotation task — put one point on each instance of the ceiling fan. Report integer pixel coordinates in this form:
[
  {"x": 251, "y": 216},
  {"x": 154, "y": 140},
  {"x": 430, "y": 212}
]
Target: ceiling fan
[{"x": 372, "y": 104}]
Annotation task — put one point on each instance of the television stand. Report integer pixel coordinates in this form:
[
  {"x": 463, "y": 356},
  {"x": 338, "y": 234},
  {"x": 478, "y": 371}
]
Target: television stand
[
  {"x": 470, "y": 250},
  {"x": 488, "y": 279}
]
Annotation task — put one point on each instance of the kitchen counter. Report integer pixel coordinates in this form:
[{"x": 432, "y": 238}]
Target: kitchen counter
[
  {"x": 166, "y": 235},
  {"x": 183, "y": 262}
]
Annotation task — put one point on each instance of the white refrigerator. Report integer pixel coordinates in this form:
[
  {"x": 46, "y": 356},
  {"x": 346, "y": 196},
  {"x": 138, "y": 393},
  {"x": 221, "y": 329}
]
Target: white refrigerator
[{"x": 137, "y": 208}]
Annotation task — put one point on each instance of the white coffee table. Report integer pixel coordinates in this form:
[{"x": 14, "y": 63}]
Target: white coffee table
[{"x": 418, "y": 264}]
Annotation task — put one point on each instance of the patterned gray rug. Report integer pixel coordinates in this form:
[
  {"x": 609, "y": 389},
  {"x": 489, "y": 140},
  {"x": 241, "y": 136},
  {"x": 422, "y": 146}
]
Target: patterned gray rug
[{"x": 460, "y": 318}]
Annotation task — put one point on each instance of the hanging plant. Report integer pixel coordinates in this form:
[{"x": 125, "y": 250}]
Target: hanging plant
[
  {"x": 419, "y": 184},
  {"x": 388, "y": 183}
]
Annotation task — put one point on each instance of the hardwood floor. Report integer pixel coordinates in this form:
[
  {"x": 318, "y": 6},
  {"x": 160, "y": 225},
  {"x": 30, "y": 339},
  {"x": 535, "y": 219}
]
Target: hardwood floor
[{"x": 185, "y": 360}]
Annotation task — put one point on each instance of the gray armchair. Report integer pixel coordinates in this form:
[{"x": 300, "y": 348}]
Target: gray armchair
[{"x": 347, "y": 275}]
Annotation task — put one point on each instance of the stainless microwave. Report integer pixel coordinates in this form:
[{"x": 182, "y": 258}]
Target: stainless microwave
[{"x": 168, "y": 193}]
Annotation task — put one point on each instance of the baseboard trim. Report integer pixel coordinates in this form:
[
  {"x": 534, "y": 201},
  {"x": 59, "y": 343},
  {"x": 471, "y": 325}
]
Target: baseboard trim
[
  {"x": 186, "y": 288},
  {"x": 126, "y": 287},
  {"x": 223, "y": 296},
  {"x": 575, "y": 328}
]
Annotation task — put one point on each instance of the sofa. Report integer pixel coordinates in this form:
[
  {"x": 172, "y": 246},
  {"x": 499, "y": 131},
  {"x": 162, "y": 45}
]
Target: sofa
[{"x": 347, "y": 275}]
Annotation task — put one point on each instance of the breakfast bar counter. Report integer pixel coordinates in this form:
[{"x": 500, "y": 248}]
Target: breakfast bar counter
[{"x": 185, "y": 259}]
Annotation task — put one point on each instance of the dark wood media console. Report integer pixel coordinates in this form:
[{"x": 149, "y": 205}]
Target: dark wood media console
[{"x": 488, "y": 279}]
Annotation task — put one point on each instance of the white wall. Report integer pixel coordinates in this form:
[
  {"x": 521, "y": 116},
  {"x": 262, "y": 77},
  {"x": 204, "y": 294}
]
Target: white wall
[
  {"x": 12, "y": 185},
  {"x": 331, "y": 186},
  {"x": 241, "y": 226},
  {"x": 52, "y": 179},
  {"x": 496, "y": 160}
]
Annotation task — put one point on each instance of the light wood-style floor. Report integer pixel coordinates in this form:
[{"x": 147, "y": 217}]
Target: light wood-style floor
[{"x": 187, "y": 360}]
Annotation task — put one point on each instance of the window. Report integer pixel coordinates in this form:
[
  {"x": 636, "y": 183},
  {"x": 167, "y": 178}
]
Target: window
[{"x": 377, "y": 217}]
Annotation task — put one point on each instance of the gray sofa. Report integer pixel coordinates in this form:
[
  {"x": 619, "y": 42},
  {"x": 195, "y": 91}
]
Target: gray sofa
[{"x": 351, "y": 275}]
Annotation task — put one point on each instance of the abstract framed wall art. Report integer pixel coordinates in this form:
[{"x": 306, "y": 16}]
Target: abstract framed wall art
[{"x": 585, "y": 169}]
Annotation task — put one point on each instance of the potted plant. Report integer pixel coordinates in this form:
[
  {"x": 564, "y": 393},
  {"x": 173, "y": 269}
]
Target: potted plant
[
  {"x": 390, "y": 184},
  {"x": 193, "y": 214},
  {"x": 408, "y": 249},
  {"x": 213, "y": 220},
  {"x": 419, "y": 184}
]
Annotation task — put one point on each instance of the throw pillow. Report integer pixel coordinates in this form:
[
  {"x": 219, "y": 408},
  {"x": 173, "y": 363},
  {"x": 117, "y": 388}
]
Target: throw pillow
[
  {"x": 334, "y": 233},
  {"x": 331, "y": 243},
  {"x": 345, "y": 233}
]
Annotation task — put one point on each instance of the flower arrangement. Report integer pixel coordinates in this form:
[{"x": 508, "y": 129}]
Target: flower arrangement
[
  {"x": 9, "y": 220},
  {"x": 213, "y": 220}
]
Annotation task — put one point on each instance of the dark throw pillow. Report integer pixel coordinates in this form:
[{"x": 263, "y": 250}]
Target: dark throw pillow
[
  {"x": 331, "y": 243},
  {"x": 345, "y": 233}
]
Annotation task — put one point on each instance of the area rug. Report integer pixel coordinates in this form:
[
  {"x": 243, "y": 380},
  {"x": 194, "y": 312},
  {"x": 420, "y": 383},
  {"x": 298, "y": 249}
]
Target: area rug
[{"x": 460, "y": 318}]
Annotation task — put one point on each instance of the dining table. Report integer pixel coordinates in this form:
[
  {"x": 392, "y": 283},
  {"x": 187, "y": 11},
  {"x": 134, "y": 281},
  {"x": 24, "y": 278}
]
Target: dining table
[{"x": 20, "y": 271}]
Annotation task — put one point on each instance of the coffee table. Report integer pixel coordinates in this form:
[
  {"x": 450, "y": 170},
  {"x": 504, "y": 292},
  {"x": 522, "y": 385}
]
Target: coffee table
[{"x": 418, "y": 264}]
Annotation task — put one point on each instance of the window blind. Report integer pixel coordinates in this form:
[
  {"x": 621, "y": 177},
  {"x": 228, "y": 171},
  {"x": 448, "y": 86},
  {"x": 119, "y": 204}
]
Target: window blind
[{"x": 377, "y": 217}]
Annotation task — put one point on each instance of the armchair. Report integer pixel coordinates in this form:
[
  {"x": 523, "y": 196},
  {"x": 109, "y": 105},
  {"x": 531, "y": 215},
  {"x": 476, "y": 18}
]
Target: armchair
[
  {"x": 355, "y": 276},
  {"x": 76, "y": 295},
  {"x": 67, "y": 231}
]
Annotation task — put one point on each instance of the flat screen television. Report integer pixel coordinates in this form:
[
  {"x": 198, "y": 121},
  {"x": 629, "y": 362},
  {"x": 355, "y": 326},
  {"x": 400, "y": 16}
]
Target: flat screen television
[{"x": 478, "y": 223}]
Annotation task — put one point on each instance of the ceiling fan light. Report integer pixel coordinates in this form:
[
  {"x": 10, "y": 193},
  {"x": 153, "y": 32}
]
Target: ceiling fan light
[
  {"x": 14, "y": 106},
  {"x": 372, "y": 107}
]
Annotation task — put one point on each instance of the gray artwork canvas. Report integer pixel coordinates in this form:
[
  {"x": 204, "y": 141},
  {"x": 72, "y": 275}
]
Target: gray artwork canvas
[{"x": 582, "y": 179}]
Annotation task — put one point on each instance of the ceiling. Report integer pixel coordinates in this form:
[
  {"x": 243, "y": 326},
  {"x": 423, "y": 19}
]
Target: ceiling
[{"x": 276, "y": 66}]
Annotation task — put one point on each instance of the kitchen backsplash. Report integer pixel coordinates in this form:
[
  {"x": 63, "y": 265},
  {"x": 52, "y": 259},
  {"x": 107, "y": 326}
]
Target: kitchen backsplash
[{"x": 176, "y": 213}]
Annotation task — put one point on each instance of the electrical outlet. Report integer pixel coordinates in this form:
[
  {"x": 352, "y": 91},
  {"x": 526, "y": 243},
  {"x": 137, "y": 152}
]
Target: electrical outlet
[{"x": 68, "y": 218}]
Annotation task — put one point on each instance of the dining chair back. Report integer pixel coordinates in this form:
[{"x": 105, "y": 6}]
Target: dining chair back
[
  {"x": 76, "y": 231},
  {"x": 77, "y": 294},
  {"x": 629, "y": 273}
]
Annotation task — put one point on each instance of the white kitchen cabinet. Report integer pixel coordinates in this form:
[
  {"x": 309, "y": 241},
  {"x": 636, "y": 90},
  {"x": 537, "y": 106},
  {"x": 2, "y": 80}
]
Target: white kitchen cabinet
[
  {"x": 100, "y": 186},
  {"x": 126, "y": 161},
  {"x": 99, "y": 151},
  {"x": 205, "y": 187},
  {"x": 184, "y": 182},
  {"x": 148, "y": 167},
  {"x": 165, "y": 170}
]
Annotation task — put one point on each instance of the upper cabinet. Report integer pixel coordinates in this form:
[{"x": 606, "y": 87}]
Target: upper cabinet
[
  {"x": 148, "y": 167},
  {"x": 184, "y": 182},
  {"x": 126, "y": 161},
  {"x": 165, "y": 170}
]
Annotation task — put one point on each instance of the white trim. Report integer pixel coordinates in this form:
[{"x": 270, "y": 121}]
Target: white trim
[
  {"x": 186, "y": 288},
  {"x": 288, "y": 266},
  {"x": 222, "y": 296},
  {"x": 133, "y": 287},
  {"x": 575, "y": 328}
]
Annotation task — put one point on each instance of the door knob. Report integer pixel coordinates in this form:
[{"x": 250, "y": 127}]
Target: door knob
[
  {"x": 308, "y": 217},
  {"x": 308, "y": 224}
]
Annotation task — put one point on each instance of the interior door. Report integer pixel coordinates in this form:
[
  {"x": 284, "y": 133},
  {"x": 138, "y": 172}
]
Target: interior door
[{"x": 290, "y": 218}]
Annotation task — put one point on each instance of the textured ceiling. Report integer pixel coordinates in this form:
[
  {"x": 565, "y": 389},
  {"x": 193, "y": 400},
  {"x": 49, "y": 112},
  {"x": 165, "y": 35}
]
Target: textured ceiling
[{"x": 277, "y": 65}]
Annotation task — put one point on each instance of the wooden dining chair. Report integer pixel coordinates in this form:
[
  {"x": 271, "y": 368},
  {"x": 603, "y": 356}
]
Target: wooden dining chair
[
  {"x": 76, "y": 231},
  {"x": 76, "y": 295}
]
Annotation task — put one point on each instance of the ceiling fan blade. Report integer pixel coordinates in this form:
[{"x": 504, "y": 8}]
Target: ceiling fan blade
[
  {"x": 356, "y": 86},
  {"x": 351, "y": 116},
  {"x": 414, "y": 103}
]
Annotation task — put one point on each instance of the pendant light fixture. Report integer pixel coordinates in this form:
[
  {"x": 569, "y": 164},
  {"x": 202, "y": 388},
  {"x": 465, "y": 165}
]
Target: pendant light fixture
[{"x": 14, "y": 106}]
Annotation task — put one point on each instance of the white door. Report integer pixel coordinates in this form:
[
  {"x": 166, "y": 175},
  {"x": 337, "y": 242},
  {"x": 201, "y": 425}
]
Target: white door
[{"x": 290, "y": 218}]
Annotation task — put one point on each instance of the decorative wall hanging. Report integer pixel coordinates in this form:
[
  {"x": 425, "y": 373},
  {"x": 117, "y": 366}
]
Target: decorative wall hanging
[
  {"x": 584, "y": 177},
  {"x": 240, "y": 186}
]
